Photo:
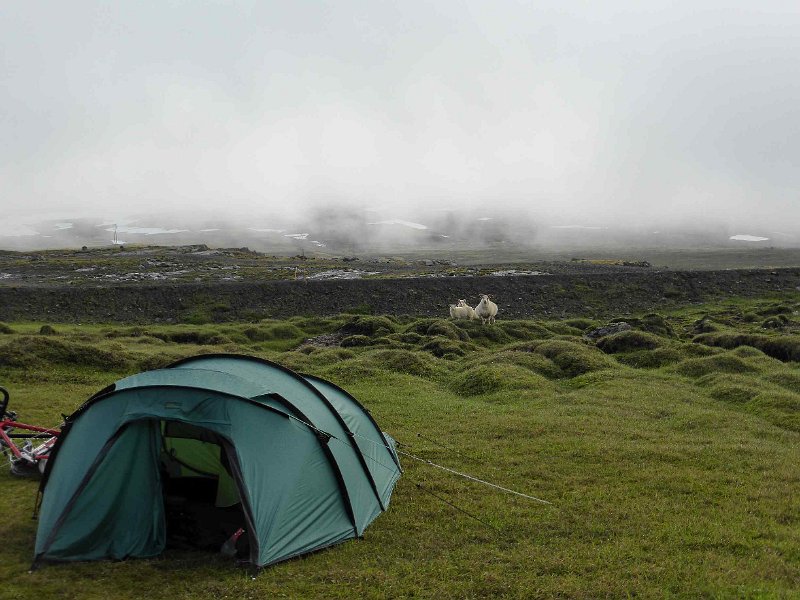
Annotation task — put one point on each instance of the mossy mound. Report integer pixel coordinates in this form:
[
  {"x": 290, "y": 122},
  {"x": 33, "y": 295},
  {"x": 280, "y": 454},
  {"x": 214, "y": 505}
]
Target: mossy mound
[
  {"x": 47, "y": 330},
  {"x": 529, "y": 360},
  {"x": 368, "y": 325},
  {"x": 200, "y": 337},
  {"x": 561, "y": 328},
  {"x": 351, "y": 370},
  {"x": 490, "y": 378},
  {"x": 440, "y": 327},
  {"x": 747, "y": 352},
  {"x": 781, "y": 409},
  {"x": 783, "y": 347},
  {"x": 789, "y": 380},
  {"x": 273, "y": 331},
  {"x": 582, "y": 324},
  {"x": 652, "y": 359},
  {"x": 774, "y": 309},
  {"x": 406, "y": 338},
  {"x": 354, "y": 341},
  {"x": 160, "y": 360},
  {"x": 312, "y": 325},
  {"x": 525, "y": 330},
  {"x": 132, "y": 332},
  {"x": 408, "y": 362},
  {"x": 448, "y": 330},
  {"x": 720, "y": 363},
  {"x": 443, "y": 347},
  {"x": 30, "y": 351},
  {"x": 325, "y": 356},
  {"x": 729, "y": 392},
  {"x": 732, "y": 388},
  {"x": 629, "y": 341},
  {"x": 497, "y": 334},
  {"x": 656, "y": 324},
  {"x": 5, "y": 328},
  {"x": 705, "y": 325},
  {"x": 574, "y": 358},
  {"x": 776, "y": 322}
]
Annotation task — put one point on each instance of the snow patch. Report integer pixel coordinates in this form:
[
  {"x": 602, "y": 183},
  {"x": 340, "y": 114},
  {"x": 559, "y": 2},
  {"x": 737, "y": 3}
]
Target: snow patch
[
  {"x": 748, "y": 238},
  {"x": 575, "y": 227},
  {"x": 145, "y": 230},
  {"x": 403, "y": 223}
]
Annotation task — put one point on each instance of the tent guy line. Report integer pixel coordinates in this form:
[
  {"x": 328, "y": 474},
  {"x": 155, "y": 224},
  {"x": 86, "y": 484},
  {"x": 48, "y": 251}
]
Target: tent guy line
[
  {"x": 428, "y": 462},
  {"x": 472, "y": 478}
]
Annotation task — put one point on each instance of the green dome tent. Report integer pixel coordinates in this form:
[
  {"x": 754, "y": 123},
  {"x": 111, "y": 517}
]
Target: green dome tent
[{"x": 211, "y": 444}]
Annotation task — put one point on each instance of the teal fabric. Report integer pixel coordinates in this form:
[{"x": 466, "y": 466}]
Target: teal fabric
[
  {"x": 103, "y": 496},
  {"x": 296, "y": 501},
  {"x": 123, "y": 491},
  {"x": 301, "y": 394},
  {"x": 381, "y": 460}
]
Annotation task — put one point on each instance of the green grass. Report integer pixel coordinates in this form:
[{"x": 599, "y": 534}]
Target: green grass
[{"x": 672, "y": 462}]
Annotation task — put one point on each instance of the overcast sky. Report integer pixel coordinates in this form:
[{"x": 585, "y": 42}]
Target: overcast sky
[{"x": 579, "y": 111}]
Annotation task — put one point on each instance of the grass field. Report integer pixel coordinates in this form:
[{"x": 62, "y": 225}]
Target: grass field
[{"x": 670, "y": 454}]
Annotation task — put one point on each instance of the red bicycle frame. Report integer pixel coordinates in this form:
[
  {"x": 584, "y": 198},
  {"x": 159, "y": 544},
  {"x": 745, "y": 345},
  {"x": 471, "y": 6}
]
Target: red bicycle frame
[{"x": 8, "y": 423}]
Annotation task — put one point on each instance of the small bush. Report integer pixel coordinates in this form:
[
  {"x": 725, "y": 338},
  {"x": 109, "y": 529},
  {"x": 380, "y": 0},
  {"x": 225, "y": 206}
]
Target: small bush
[
  {"x": 4, "y": 328},
  {"x": 629, "y": 341},
  {"x": 749, "y": 317},
  {"x": 47, "y": 330}
]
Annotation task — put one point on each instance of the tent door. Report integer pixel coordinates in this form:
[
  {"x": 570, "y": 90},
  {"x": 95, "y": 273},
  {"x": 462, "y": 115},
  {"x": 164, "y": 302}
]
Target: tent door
[{"x": 202, "y": 489}]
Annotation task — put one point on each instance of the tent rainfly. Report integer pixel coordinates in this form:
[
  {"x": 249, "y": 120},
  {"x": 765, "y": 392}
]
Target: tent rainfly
[{"x": 192, "y": 454}]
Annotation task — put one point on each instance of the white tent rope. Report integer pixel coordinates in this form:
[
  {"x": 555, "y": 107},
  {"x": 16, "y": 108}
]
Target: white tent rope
[
  {"x": 428, "y": 462},
  {"x": 472, "y": 478}
]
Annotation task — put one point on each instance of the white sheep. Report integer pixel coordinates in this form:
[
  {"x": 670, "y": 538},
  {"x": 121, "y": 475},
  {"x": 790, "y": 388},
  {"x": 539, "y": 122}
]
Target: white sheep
[
  {"x": 457, "y": 311},
  {"x": 471, "y": 311},
  {"x": 486, "y": 310}
]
